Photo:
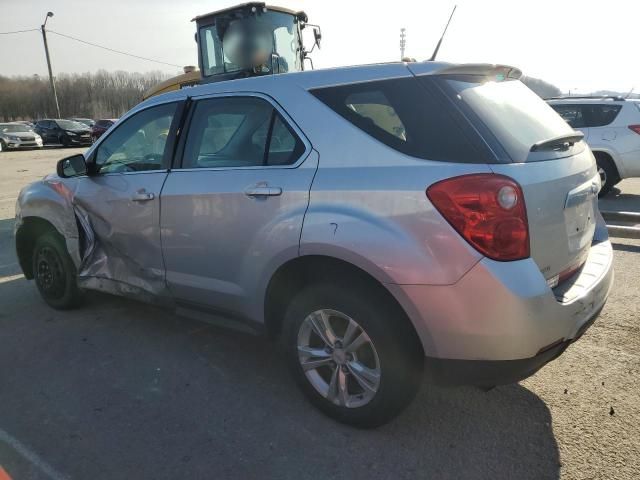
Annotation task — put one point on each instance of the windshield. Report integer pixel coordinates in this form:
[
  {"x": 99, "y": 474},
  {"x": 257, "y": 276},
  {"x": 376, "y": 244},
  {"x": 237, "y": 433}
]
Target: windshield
[
  {"x": 233, "y": 45},
  {"x": 70, "y": 125},
  {"x": 516, "y": 116},
  {"x": 14, "y": 128}
]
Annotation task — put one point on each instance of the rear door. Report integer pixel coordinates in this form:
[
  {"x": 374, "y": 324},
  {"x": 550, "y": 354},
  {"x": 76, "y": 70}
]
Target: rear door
[
  {"x": 233, "y": 209},
  {"x": 560, "y": 181}
]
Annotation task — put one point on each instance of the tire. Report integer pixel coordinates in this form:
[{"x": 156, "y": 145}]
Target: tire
[
  {"x": 608, "y": 174},
  {"x": 390, "y": 351},
  {"x": 55, "y": 273}
]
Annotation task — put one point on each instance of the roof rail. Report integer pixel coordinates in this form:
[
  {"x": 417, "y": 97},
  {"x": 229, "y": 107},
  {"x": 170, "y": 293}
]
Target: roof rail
[{"x": 614, "y": 98}]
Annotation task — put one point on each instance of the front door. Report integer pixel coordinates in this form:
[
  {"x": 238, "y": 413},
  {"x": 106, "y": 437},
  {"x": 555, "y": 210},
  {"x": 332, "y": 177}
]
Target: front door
[
  {"x": 234, "y": 209},
  {"x": 120, "y": 203}
]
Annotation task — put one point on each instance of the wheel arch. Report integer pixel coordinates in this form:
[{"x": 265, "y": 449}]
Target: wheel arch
[
  {"x": 26, "y": 235},
  {"x": 294, "y": 275}
]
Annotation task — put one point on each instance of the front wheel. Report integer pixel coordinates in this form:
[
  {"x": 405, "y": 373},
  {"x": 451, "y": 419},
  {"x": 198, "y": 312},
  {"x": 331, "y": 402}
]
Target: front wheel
[
  {"x": 351, "y": 355},
  {"x": 55, "y": 273}
]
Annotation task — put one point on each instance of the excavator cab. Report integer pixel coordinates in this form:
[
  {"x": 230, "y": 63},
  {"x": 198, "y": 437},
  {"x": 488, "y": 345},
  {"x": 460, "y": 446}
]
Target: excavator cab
[{"x": 249, "y": 40}]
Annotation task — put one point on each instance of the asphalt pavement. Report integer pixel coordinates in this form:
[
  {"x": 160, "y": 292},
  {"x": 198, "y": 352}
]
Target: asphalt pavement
[{"x": 118, "y": 389}]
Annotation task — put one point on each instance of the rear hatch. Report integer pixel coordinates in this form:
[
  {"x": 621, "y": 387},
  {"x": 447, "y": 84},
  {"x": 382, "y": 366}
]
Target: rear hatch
[{"x": 538, "y": 149}]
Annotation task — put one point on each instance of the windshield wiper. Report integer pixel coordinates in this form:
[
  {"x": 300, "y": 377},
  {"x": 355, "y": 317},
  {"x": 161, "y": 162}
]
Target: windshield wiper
[{"x": 562, "y": 142}]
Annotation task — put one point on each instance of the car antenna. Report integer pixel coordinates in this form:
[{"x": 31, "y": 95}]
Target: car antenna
[
  {"x": 630, "y": 92},
  {"x": 435, "y": 52}
]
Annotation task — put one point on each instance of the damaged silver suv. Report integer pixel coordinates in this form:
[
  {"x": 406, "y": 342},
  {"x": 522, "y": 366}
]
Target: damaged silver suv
[{"x": 386, "y": 223}]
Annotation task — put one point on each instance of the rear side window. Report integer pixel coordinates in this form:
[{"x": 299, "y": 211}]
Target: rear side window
[
  {"x": 599, "y": 115},
  {"x": 408, "y": 117},
  {"x": 572, "y": 114}
]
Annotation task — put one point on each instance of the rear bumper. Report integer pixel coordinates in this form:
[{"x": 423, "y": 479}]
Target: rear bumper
[
  {"x": 487, "y": 373},
  {"x": 501, "y": 322}
]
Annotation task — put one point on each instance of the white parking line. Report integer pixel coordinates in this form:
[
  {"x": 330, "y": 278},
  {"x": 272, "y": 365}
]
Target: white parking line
[
  {"x": 11, "y": 278},
  {"x": 31, "y": 456}
]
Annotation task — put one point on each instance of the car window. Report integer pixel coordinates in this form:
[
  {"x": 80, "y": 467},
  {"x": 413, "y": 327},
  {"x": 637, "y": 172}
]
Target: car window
[
  {"x": 285, "y": 148},
  {"x": 375, "y": 107},
  {"x": 572, "y": 114},
  {"x": 598, "y": 115},
  {"x": 139, "y": 143},
  {"x": 239, "y": 132},
  {"x": 408, "y": 115}
]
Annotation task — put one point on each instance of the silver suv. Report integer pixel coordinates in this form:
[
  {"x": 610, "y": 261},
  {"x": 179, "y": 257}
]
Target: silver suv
[
  {"x": 611, "y": 126},
  {"x": 386, "y": 223}
]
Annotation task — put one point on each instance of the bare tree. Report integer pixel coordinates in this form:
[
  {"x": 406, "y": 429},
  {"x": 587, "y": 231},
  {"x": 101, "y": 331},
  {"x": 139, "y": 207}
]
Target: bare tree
[{"x": 94, "y": 95}]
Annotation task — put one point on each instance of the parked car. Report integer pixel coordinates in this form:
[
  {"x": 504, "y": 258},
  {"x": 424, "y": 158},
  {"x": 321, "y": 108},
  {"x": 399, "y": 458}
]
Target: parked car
[
  {"x": 17, "y": 135},
  {"x": 26, "y": 123},
  {"x": 65, "y": 132},
  {"x": 86, "y": 121},
  {"x": 100, "y": 127},
  {"x": 383, "y": 222},
  {"x": 611, "y": 126}
]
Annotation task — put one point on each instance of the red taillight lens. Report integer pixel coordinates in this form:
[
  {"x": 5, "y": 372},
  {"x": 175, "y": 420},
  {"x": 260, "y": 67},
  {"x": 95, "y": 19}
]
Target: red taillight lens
[
  {"x": 488, "y": 211},
  {"x": 635, "y": 128}
]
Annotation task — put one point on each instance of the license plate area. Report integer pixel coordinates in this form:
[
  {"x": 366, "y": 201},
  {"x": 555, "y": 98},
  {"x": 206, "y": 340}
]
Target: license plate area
[{"x": 579, "y": 216}]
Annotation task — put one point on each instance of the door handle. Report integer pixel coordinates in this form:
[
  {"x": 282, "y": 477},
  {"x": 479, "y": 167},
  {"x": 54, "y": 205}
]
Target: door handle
[
  {"x": 263, "y": 191},
  {"x": 142, "y": 196}
]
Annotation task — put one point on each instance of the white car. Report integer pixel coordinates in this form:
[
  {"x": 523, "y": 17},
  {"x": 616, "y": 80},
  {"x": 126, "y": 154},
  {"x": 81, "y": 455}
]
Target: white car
[
  {"x": 17, "y": 135},
  {"x": 611, "y": 126}
]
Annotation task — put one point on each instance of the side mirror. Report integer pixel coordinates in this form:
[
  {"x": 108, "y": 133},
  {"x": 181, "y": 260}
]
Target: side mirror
[
  {"x": 72, "y": 166},
  {"x": 317, "y": 35}
]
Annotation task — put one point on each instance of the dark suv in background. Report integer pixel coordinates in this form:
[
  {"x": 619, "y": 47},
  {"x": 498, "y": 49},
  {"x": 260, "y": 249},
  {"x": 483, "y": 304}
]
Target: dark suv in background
[{"x": 64, "y": 132}]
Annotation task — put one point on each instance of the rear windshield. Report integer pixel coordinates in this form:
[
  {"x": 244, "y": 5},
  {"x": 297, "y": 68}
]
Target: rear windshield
[
  {"x": 515, "y": 115},
  {"x": 413, "y": 117}
]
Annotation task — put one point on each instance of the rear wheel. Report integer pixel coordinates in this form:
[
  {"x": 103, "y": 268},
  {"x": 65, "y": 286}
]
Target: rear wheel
[
  {"x": 54, "y": 272},
  {"x": 351, "y": 354},
  {"x": 608, "y": 174}
]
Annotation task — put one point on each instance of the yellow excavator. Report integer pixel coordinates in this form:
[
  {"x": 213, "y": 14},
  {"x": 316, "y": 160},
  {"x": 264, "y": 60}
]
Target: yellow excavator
[{"x": 247, "y": 40}]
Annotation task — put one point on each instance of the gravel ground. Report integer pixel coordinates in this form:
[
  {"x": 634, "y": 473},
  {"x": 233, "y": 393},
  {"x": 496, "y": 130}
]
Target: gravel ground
[{"x": 123, "y": 390}]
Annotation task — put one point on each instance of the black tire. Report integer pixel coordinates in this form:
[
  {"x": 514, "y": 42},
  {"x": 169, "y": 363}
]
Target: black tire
[
  {"x": 608, "y": 174},
  {"x": 400, "y": 355},
  {"x": 55, "y": 273}
]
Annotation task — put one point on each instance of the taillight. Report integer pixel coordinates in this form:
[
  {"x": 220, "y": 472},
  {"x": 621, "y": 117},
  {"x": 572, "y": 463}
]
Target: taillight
[
  {"x": 635, "y": 128},
  {"x": 488, "y": 211}
]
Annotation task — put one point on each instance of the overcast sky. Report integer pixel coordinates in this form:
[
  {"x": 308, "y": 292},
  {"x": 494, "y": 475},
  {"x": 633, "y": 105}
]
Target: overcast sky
[{"x": 583, "y": 45}]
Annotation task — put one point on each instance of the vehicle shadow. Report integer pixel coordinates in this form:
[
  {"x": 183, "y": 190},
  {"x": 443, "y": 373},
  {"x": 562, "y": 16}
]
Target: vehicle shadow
[
  {"x": 621, "y": 202},
  {"x": 8, "y": 261},
  {"x": 625, "y": 247},
  {"x": 137, "y": 392}
]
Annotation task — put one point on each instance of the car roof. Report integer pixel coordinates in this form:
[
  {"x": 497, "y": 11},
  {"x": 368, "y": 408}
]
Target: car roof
[
  {"x": 586, "y": 100},
  {"x": 310, "y": 79}
]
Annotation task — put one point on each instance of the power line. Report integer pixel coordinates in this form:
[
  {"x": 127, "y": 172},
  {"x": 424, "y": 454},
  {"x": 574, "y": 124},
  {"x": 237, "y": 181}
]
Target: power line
[
  {"x": 112, "y": 50},
  {"x": 20, "y": 31}
]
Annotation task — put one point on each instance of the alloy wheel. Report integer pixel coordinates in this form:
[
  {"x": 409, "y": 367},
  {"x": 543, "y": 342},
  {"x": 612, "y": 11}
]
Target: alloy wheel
[{"x": 338, "y": 358}]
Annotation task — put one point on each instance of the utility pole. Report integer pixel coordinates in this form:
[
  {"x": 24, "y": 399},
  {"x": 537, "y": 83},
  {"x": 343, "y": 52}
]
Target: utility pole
[
  {"x": 403, "y": 42},
  {"x": 46, "y": 51}
]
